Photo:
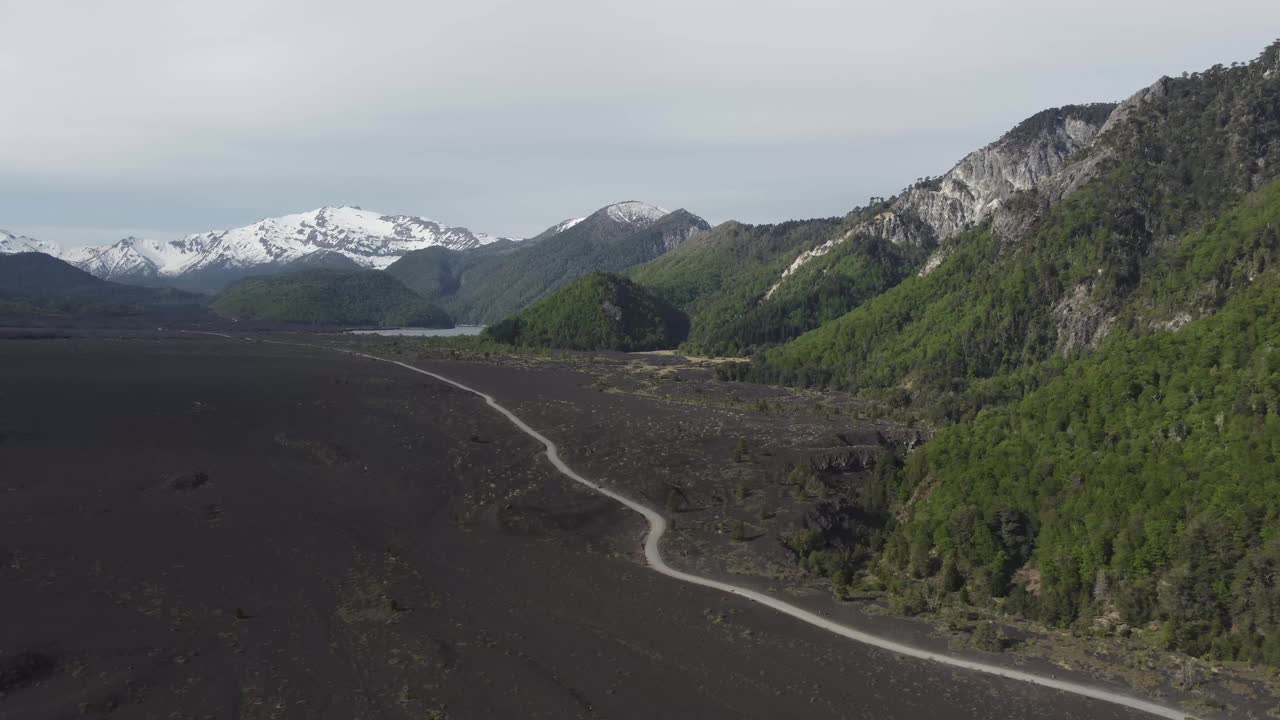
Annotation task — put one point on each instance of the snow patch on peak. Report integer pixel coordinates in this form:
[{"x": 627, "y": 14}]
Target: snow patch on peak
[
  {"x": 133, "y": 256},
  {"x": 633, "y": 212},
  {"x": 368, "y": 238},
  {"x": 11, "y": 243},
  {"x": 565, "y": 225}
]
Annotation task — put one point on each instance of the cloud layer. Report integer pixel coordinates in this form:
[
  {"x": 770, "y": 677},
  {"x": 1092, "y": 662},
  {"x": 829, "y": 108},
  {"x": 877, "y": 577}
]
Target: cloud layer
[{"x": 168, "y": 117}]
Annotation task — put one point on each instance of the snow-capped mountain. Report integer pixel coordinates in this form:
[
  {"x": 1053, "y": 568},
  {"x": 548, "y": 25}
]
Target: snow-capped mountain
[
  {"x": 629, "y": 214},
  {"x": 636, "y": 213},
  {"x": 14, "y": 243},
  {"x": 365, "y": 238},
  {"x": 131, "y": 257},
  {"x": 341, "y": 237}
]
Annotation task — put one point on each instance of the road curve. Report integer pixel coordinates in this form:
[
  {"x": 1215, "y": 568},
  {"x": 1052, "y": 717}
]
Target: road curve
[{"x": 653, "y": 555}]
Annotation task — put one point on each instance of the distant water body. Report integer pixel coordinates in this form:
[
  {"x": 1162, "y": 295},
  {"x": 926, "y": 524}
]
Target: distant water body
[{"x": 424, "y": 332}]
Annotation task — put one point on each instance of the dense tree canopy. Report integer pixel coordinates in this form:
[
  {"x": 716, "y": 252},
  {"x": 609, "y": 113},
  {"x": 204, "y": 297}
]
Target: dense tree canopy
[
  {"x": 599, "y": 311},
  {"x": 329, "y": 297},
  {"x": 1103, "y": 367}
]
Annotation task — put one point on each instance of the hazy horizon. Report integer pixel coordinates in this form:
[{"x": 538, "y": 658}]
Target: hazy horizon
[{"x": 158, "y": 119}]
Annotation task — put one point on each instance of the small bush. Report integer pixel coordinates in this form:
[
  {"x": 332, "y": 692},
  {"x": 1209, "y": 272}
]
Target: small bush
[
  {"x": 909, "y": 602},
  {"x": 986, "y": 636}
]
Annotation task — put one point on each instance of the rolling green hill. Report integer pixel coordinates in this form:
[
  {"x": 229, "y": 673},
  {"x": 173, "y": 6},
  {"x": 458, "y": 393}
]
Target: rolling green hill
[
  {"x": 723, "y": 278},
  {"x": 35, "y": 285},
  {"x": 329, "y": 297},
  {"x": 599, "y": 311}
]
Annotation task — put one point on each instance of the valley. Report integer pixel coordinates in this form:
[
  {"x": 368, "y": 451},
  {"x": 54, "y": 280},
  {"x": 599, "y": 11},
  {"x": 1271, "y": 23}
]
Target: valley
[
  {"x": 1004, "y": 444},
  {"x": 385, "y": 552}
]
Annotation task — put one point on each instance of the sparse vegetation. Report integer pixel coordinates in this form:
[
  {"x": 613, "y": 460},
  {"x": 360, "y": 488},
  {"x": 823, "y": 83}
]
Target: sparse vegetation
[{"x": 986, "y": 636}]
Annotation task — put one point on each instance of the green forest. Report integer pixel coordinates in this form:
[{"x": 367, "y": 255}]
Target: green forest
[
  {"x": 600, "y": 311},
  {"x": 1104, "y": 383},
  {"x": 490, "y": 283},
  {"x": 989, "y": 310},
  {"x": 329, "y": 297},
  {"x": 38, "y": 285},
  {"x": 720, "y": 278},
  {"x": 1142, "y": 480}
]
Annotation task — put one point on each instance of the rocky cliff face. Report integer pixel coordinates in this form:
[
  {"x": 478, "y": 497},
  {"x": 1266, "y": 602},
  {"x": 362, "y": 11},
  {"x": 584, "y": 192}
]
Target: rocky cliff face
[
  {"x": 928, "y": 213},
  {"x": 679, "y": 231},
  {"x": 1023, "y": 159}
]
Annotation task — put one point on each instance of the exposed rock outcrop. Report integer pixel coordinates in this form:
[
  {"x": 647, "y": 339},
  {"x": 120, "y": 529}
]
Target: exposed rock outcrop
[
  {"x": 1026, "y": 157},
  {"x": 930, "y": 212},
  {"x": 1080, "y": 323}
]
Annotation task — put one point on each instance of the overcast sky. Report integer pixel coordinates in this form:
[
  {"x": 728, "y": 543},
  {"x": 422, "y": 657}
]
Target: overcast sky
[{"x": 168, "y": 117}]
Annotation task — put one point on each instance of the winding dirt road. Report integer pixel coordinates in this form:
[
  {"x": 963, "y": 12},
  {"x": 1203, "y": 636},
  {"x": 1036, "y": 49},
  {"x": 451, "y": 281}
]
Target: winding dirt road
[{"x": 653, "y": 555}]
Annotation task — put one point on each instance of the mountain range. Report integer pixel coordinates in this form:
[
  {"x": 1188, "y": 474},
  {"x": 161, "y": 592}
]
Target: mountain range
[
  {"x": 749, "y": 287},
  {"x": 491, "y": 283},
  {"x": 37, "y": 289},
  {"x": 329, "y": 236},
  {"x": 348, "y": 238},
  {"x": 1082, "y": 315}
]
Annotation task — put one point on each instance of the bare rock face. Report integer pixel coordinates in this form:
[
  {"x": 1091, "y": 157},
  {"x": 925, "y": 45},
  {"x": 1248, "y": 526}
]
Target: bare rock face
[
  {"x": 676, "y": 236},
  {"x": 1024, "y": 159},
  {"x": 928, "y": 213},
  {"x": 1079, "y": 171},
  {"x": 1081, "y": 323},
  {"x": 1125, "y": 110}
]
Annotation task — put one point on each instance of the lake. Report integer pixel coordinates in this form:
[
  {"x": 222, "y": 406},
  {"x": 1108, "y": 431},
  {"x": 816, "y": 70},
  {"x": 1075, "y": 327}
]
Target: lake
[{"x": 424, "y": 332}]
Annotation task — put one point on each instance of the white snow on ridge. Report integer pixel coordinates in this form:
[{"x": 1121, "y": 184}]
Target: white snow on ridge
[
  {"x": 367, "y": 238},
  {"x": 11, "y": 243},
  {"x": 133, "y": 256},
  {"x": 564, "y": 225},
  {"x": 633, "y": 212}
]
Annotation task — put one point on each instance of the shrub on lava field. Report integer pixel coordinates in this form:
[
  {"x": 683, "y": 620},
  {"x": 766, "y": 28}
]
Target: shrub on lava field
[
  {"x": 911, "y": 601},
  {"x": 986, "y": 636}
]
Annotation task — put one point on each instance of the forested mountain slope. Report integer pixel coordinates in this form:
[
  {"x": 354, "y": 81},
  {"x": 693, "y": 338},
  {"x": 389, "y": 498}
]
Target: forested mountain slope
[
  {"x": 719, "y": 276},
  {"x": 485, "y": 286},
  {"x": 1140, "y": 484},
  {"x": 1044, "y": 275},
  {"x": 1100, "y": 356},
  {"x": 751, "y": 287},
  {"x": 329, "y": 297},
  {"x": 34, "y": 284}
]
